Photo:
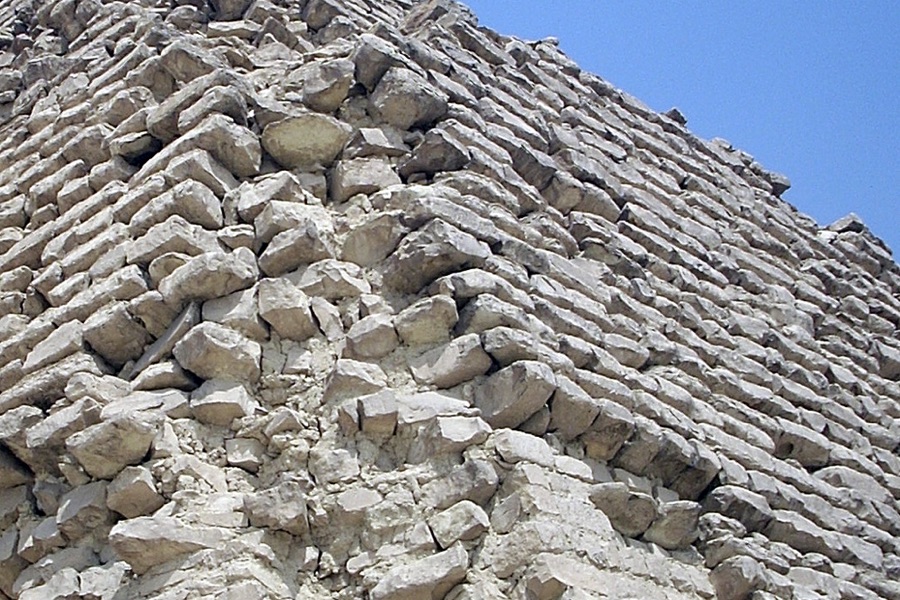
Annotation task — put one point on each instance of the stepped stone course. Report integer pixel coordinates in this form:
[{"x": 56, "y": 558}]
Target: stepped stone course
[{"x": 358, "y": 299}]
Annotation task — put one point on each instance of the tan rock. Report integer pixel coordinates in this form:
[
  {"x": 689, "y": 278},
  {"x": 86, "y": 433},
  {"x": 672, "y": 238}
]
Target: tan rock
[
  {"x": 133, "y": 493},
  {"x": 106, "y": 448},
  {"x": 361, "y": 176},
  {"x": 212, "y": 351},
  {"x": 406, "y": 100},
  {"x": 372, "y": 337},
  {"x": 287, "y": 309},
  {"x": 305, "y": 141},
  {"x": 460, "y": 360},
  {"x": 220, "y": 401},
  {"x": 427, "y": 321},
  {"x": 676, "y": 526},
  {"x": 282, "y": 508},
  {"x": 463, "y": 521},
  {"x": 323, "y": 85},
  {"x": 513, "y": 394},
  {"x": 210, "y": 275},
  {"x": 82, "y": 510},
  {"x": 308, "y": 242},
  {"x": 145, "y": 542},
  {"x": 630, "y": 512},
  {"x": 430, "y": 577}
]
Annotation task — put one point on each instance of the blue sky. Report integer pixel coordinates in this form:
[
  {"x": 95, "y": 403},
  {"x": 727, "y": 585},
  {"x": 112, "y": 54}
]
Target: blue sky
[{"x": 810, "y": 89}]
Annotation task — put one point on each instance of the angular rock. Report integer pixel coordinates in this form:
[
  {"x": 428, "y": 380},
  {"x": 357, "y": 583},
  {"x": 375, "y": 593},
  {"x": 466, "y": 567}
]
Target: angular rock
[
  {"x": 373, "y": 241},
  {"x": 305, "y": 141},
  {"x": 750, "y": 508},
  {"x": 630, "y": 512},
  {"x": 82, "y": 510},
  {"x": 287, "y": 309},
  {"x": 308, "y": 242},
  {"x": 133, "y": 493},
  {"x": 352, "y": 378},
  {"x": 460, "y": 360},
  {"x": 406, "y": 100},
  {"x": 145, "y": 542},
  {"x": 219, "y": 402},
  {"x": 372, "y": 337},
  {"x": 65, "y": 340},
  {"x": 676, "y": 526},
  {"x": 361, "y": 176},
  {"x": 463, "y": 521},
  {"x": 108, "y": 447},
  {"x": 612, "y": 427},
  {"x": 212, "y": 351},
  {"x": 116, "y": 335},
  {"x": 427, "y": 321},
  {"x": 245, "y": 453},
  {"x": 737, "y": 578},
  {"x": 332, "y": 280},
  {"x": 430, "y": 577},
  {"x": 282, "y": 508},
  {"x": 323, "y": 85},
  {"x": 514, "y": 393},
  {"x": 210, "y": 275}
]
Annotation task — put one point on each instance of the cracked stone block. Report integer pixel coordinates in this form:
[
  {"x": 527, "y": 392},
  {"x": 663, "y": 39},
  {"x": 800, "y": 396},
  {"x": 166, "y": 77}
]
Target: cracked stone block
[
  {"x": 106, "y": 448},
  {"x": 133, "y": 493},
  {"x": 220, "y": 401},
  {"x": 447, "y": 366},
  {"x": 630, "y": 512},
  {"x": 212, "y": 351},
  {"x": 431, "y": 577},
  {"x": 510, "y": 396},
  {"x": 305, "y": 141},
  {"x": 145, "y": 542},
  {"x": 463, "y": 521}
]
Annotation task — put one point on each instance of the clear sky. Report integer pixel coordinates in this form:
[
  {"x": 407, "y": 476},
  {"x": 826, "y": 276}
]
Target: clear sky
[{"x": 811, "y": 89}]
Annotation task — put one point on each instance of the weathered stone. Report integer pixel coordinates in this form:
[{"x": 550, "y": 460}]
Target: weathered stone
[
  {"x": 307, "y": 242},
  {"x": 373, "y": 241},
  {"x": 427, "y": 321},
  {"x": 361, "y": 176},
  {"x": 460, "y": 360},
  {"x": 630, "y": 512},
  {"x": 331, "y": 279},
  {"x": 737, "y": 578},
  {"x": 210, "y": 275},
  {"x": 351, "y": 378},
  {"x": 145, "y": 542},
  {"x": 106, "y": 448},
  {"x": 82, "y": 510},
  {"x": 212, "y": 351},
  {"x": 430, "y": 577},
  {"x": 287, "y": 309},
  {"x": 116, "y": 335},
  {"x": 12, "y": 472},
  {"x": 463, "y": 521},
  {"x": 676, "y": 526},
  {"x": 432, "y": 251},
  {"x": 372, "y": 337},
  {"x": 245, "y": 453},
  {"x": 305, "y": 141},
  {"x": 282, "y": 507},
  {"x": 323, "y": 85},
  {"x": 133, "y": 493},
  {"x": 406, "y": 100},
  {"x": 65, "y": 340},
  {"x": 515, "y": 393},
  {"x": 750, "y": 508},
  {"x": 437, "y": 152},
  {"x": 219, "y": 402}
]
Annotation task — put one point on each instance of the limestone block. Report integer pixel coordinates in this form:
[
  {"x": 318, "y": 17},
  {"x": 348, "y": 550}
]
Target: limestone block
[
  {"x": 374, "y": 240},
  {"x": 516, "y": 446},
  {"x": 427, "y": 321},
  {"x": 189, "y": 199},
  {"x": 200, "y": 165},
  {"x": 676, "y": 528},
  {"x": 378, "y": 413},
  {"x": 332, "y": 280},
  {"x": 463, "y": 521},
  {"x": 333, "y": 466},
  {"x": 351, "y": 378},
  {"x": 245, "y": 453},
  {"x": 65, "y": 340},
  {"x": 514, "y": 393},
  {"x": 552, "y": 576},
  {"x": 329, "y": 318},
  {"x": 234, "y": 146},
  {"x": 361, "y": 176},
  {"x": 353, "y": 504},
  {"x": 279, "y": 216},
  {"x": 106, "y": 448},
  {"x": 572, "y": 410},
  {"x": 133, "y": 493},
  {"x": 436, "y": 249},
  {"x": 448, "y": 434},
  {"x": 373, "y": 57},
  {"x": 405, "y": 100},
  {"x": 238, "y": 311},
  {"x": 323, "y": 85},
  {"x": 145, "y": 542},
  {"x": 116, "y": 335},
  {"x": 212, "y": 351},
  {"x": 631, "y": 512},
  {"x": 802, "y": 534},
  {"x": 370, "y": 141},
  {"x": 626, "y": 351},
  {"x": 372, "y": 337},
  {"x": 437, "y": 152},
  {"x": 187, "y": 62},
  {"x": 305, "y": 141},
  {"x": 308, "y": 242},
  {"x": 430, "y": 577},
  {"x": 287, "y": 309},
  {"x": 11, "y": 564},
  {"x": 282, "y": 508},
  {"x": 175, "y": 234},
  {"x": 460, "y": 360},
  {"x": 82, "y": 510},
  {"x": 220, "y": 401},
  {"x": 474, "y": 480},
  {"x": 39, "y": 541},
  {"x": 737, "y": 578},
  {"x": 210, "y": 275},
  {"x": 750, "y": 508},
  {"x": 809, "y": 448},
  {"x": 12, "y": 472}
]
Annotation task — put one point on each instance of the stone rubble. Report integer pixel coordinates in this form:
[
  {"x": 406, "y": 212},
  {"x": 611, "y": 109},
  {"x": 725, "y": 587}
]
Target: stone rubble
[{"x": 353, "y": 299}]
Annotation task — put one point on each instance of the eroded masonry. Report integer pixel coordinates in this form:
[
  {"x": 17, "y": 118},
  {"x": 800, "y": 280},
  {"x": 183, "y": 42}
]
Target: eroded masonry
[{"x": 337, "y": 299}]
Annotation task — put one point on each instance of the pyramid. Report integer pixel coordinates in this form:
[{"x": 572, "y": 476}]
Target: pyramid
[{"x": 339, "y": 299}]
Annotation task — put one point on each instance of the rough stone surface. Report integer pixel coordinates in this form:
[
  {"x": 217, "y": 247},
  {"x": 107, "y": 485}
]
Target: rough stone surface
[{"x": 360, "y": 299}]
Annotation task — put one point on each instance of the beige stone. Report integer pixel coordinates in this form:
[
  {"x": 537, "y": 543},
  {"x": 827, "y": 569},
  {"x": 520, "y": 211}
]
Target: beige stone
[
  {"x": 133, "y": 493},
  {"x": 212, "y": 351},
  {"x": 460, "y": 360},
  {"x": 305, "y": 141}
]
